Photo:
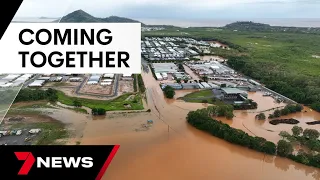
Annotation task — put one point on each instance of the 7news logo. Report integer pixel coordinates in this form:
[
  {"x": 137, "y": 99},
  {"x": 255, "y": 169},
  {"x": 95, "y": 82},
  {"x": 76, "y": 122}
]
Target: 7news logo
[{"x": 51, "y": 162}]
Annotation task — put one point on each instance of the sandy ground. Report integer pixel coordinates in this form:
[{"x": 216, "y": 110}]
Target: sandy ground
[
  {"x": 97, "y": 89},
  {"x": 125, "y": 86}
]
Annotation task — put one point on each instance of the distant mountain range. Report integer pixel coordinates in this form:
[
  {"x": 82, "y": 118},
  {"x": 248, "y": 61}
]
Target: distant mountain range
[{"x": 252, "y": 26}]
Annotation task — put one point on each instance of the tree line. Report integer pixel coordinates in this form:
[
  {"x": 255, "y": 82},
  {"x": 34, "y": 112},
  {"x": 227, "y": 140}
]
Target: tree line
[
  {"x": 288, "y": 109},
  {"x": 201, "y": 119},
  {"x": 28, "y": 94},
  {"x": 142, "y": 87}
]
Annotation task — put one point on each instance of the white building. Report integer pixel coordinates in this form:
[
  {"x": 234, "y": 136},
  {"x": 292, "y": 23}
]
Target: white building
[
  {"x": 92, "y": 82},
  {"x": 127, "y": 75},
  {"x": 37, "y": 83},
  {"x": 11, "y": 77},
  {"x": 206, "y": 85},
  {"x": 105, "y": 83},
  {"x": 108, "y": 75},
  {"x": 75, "y": 79},
  {"x": 106, "y": 80}
]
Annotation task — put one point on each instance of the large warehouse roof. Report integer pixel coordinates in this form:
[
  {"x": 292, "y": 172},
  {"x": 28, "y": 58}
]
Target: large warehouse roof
[{"x": 232, "y": 91}]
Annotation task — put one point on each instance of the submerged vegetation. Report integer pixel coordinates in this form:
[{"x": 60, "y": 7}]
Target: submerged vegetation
[
  {"x": 307, "y": 138},
  {"x": 288, "y": 109},
  {"x": 202, "y": 120},
  {"x": 169, "y": 92}
]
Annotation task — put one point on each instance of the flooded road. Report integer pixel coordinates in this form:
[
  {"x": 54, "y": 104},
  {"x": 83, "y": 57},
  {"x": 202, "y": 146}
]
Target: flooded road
[{"x": 173, "y": 150}]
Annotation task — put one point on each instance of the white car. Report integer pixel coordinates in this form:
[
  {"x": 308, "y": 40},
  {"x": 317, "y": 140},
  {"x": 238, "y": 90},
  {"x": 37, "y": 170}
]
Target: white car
[
  {"x": 34, "y": 131},
  {"x": 19, "y": 132}
]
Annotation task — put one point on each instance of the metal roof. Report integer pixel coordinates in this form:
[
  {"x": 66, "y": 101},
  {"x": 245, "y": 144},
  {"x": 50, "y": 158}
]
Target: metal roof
[{"x": 232, "y": 91}]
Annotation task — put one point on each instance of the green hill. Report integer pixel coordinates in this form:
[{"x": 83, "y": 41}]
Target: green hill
[{"x": 82, "y": 16}]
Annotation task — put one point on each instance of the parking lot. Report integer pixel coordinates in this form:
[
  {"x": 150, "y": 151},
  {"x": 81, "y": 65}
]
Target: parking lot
[{"x": 25, "y": 138}]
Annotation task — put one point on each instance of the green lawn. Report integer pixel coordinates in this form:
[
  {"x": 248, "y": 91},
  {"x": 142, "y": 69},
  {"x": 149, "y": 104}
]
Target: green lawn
[
  {"x": 109, "y": 105},
  {"x": 201, "y": 97},
  {"x": 199, "y": 94}
]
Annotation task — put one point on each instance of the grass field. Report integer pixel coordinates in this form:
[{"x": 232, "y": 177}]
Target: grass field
[
  {"x": 109, "y": 105},
  {"x": 281, "y": 60},
  {"x": 201, "y": 97}
]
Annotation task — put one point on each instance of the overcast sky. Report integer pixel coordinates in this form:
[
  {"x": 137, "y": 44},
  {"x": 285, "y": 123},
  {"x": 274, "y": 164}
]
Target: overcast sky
[{"x": 175, "y": 9}]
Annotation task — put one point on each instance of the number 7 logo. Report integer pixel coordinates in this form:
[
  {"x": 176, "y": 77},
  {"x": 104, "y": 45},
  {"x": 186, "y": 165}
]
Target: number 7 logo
[{"x": 27, "y": 165}]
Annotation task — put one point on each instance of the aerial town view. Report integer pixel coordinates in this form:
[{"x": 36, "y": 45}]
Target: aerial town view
[{"x": 243, "y": 98}]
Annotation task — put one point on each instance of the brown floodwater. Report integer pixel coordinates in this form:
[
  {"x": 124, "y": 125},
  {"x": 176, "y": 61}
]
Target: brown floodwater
[{"x": 173, "y": 150}]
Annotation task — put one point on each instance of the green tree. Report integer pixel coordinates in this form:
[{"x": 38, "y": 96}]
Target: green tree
[
  {"x": 205, "y": 78},
  {"x": 178, "y": 80},
  {"x": 277, "y": 113},
  {"x": 299, "y": 107},
  {"x": 186, "y": 80},
  {"x": 284, "y": 148},
  {"x": 316, "y": 106},
  {"x": 284, "y": 111},
  {"x": 284, "y": 134},
  {"x": 169, "y": 92},
  {"x": 261, "y": 116},
  {"x": 271, "y": 116},
  {"x": 296, "y": 131},
  {"x": 311, "y": 134},
  {"x": 229, "y": 115}
]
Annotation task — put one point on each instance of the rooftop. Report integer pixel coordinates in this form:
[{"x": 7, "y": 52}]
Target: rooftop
[{"x": 232, "y": 91}]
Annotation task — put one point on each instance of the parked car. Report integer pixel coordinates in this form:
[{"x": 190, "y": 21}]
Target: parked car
[
  {"x": 3, "y": 133},
  {"x": 34, "y": 131},
  {"x": 19, "y": 132}
]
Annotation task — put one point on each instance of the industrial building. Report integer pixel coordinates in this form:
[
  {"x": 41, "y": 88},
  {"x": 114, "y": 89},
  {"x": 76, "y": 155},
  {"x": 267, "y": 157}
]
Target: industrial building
[
  {"x": 234, "y": 94},
  {"x": 176, "y": 86},
  {"x": 127, "y": 75},
  {"x": 127, "y": 78},
  {"x": 75, "y": 79},
  {"x": 37, "y": 83},
  {"x": 190, "y": 86},
  {"x": 164, "y": 68},
  {"x": 108, "y": 75},
  {"x": 11, "y": 77},
  {"x": 105, "y": 83},
  {"x": 205, "y": 85},
  {"x": 94, "y": 78},
  {"x": 106, "y": 80}
]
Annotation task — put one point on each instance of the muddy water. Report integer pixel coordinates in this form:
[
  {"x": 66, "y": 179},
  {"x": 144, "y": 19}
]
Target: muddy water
[{"x": 172, "y": 150}]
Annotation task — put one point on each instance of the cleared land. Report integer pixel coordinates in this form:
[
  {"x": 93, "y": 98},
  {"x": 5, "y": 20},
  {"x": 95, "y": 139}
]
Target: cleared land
[
  {"x": 96, "y": 89},
  {"x": 126, "y": 87}
]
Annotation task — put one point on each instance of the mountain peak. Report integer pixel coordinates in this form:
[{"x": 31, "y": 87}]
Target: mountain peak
[{"x": 79, "y": 16}]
